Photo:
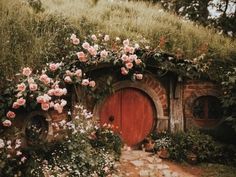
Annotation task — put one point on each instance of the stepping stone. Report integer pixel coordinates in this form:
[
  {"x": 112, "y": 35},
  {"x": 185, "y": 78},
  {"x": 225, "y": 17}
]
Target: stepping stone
[
  {"x": 166, "y": 173},
  {"x": 137, "y": 163},
  {"x": 175, "y": 174},
  {"x": 151, "y": 166},
  {"x": 144, "y": 173},
  {"x": 162, "y": 166}
]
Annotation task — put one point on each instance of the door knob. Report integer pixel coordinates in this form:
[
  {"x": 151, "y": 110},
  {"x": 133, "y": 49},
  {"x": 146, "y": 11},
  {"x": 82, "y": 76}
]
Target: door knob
[{"x": 111, "y": 118}]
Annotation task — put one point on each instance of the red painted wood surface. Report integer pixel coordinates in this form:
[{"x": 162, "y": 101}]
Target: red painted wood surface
[{"x": 132, "y": 111}]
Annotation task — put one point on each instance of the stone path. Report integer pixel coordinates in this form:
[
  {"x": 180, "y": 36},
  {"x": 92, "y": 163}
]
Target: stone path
[{"x": 135, "y": 163}]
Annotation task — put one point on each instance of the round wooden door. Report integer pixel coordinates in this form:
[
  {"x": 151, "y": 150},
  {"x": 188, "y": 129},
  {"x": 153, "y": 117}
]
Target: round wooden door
[{"x": 131, "y": 110}]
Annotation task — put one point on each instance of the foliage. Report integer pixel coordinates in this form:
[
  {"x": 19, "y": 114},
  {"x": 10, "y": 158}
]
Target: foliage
[
  {"x": 193, "y": 141},
  {"x": 80, "y": 153},
  {"x": 219, "y": 14}
]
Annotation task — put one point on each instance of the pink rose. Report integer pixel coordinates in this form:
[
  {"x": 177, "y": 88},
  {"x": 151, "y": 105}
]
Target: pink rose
[
  {"x": 33, "y": 87},
  {"x": 54, "y": 66},
  {"x": 127, "y": 49},
  {"x": 21, "y": 101},
  {"x": 30, "y": 80},
  {"x": 103, "y": 54},
  {"x": 6, "y": 123},
  {"x": 11, "y": 115},
  {"x": 94, "y": 37},
  {"x": 78, "y": 73},
  {"x": 45, "y": 106},
  {"x": 51, "y": 92},
  {"x": 68, "y": 79},
  {"x": 26, "y": 71},
  {"x": 106, "y": 38},
  {"x": 129, "y": 65},
  {"x": 15, "y": 105},
  {"x": 81, "y": 56},
  {"x": 86, "y": 45},
  {"x": 45, "y": 79},
  {"x": 138, "y": 61},
  {"x": 39, "y": 99},
  {"x": 132, "y": 58},
  {"x": 139, "y": 76},
  {"x": 85, "y": 82},
  {"x": 92, "y": 51},
  {"x": 21, "y": 87},
  {"x": 126, "y": 42},
  {"x": 131, "y": 50},
  {"x": 124, "y": 58},
  {"x": 75, "y": 41},
  {"x": 92, "y": 83},
  {"x": 124, "y": 71}
]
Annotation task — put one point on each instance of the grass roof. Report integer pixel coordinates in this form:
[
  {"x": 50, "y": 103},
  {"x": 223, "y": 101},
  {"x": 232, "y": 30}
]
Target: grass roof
[
  {"x": 137, "y": 20},
  {"x": 28, "y": 38}
]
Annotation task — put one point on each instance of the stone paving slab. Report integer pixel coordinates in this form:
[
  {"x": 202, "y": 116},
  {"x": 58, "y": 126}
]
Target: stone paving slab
[{"x": 134, "y": 163}]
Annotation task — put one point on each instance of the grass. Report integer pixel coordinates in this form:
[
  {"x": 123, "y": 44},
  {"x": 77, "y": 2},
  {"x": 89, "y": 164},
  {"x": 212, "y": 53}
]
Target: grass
[
  {"x": 139, "y": 19},
  {"x": 218, "y": 170},
  {"x": 31, "y": 39}
]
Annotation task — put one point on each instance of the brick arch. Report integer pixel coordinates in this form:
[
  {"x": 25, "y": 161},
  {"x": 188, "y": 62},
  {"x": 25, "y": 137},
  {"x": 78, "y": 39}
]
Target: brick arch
[
  {"x": 154, "y": 89},
  {"x": 192, "y": 91}
]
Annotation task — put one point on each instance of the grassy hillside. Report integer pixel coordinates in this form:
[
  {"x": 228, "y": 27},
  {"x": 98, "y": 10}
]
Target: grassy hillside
[
  {"x": 138, "y": 19},
  {"x": 30, "y": 38}
]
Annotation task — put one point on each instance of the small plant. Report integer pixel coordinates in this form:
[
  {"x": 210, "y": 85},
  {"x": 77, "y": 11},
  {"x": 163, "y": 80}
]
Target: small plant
[{"x": 162, "y": 143}]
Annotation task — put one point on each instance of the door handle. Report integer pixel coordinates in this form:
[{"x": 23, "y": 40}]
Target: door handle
[{"x": 111, "y": 118}]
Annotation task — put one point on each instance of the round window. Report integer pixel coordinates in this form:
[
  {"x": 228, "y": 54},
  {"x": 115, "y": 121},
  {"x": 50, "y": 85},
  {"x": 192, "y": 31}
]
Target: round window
[
  {"x": 36, "y": 129},
  {"x": 207, "y": 107}
]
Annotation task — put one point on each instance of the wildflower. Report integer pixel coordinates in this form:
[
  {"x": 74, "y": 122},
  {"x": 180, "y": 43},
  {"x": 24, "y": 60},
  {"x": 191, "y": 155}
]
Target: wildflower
[
  {"x": 106, "y": 38},
  {"x": 18, "y": 153},
  {"x": 2, "y": 144},
  {"x": 138, "y": 76},
  {"x": 126, "y": 42}
]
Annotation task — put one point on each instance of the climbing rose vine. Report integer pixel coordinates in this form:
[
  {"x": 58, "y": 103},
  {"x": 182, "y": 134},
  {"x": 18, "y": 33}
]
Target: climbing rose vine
[{"x": 48, "y": 89}]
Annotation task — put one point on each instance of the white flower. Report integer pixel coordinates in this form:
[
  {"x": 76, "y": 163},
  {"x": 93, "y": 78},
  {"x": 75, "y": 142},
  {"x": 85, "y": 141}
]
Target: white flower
[
  {"x": 18, "y": 153},
  {"x": 2, "y": 144}
]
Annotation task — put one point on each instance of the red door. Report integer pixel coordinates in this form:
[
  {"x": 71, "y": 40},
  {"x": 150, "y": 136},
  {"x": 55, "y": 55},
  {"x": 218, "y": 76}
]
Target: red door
[{"x": 132, "y": 111}]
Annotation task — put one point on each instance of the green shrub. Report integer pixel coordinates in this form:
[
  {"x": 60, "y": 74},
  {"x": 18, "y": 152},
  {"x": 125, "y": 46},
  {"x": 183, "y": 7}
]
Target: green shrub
[{"x": 203, "y": 146}]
